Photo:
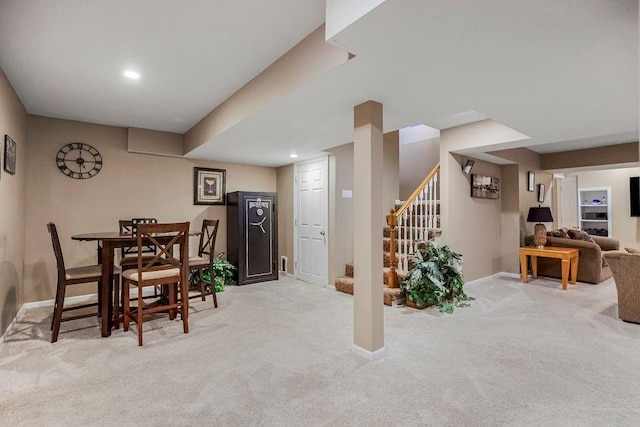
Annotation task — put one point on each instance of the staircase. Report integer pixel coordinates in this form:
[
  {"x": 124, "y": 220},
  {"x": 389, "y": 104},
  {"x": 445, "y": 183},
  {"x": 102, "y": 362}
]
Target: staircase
[{"x": 416, "y": 219}]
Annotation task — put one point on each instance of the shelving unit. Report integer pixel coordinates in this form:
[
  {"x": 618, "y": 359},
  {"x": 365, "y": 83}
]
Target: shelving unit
[{"x": 594, "y": 211}]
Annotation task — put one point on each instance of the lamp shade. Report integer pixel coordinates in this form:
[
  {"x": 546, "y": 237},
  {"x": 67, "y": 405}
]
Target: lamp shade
[{"x": 540, "y": 214}]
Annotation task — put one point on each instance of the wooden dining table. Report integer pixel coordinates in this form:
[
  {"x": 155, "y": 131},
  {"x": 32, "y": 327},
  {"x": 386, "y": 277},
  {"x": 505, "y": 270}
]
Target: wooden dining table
[{"x": 109, "y": 241}]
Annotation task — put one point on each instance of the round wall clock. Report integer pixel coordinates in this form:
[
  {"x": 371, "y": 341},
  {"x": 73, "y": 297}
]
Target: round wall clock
[{"x": 79, "y": 161}]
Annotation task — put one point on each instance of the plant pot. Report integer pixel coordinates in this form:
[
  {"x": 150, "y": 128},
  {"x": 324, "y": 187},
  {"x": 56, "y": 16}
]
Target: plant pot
[{"x": 412, "y": 304}]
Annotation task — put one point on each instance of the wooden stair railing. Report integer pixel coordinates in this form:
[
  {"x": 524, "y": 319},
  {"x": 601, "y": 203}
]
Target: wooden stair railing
[{"x": 412, "y": 222}]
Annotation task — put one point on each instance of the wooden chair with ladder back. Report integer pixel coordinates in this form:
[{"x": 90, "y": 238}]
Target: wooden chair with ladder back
[
  {"x": 129, "y": 259},
  {"x": 73, "y": 276},
  {"x": 163, "y": 269},
  {"x": 204, "y": 261}
]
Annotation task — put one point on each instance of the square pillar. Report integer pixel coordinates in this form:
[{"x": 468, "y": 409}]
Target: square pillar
[{"x": 368, "y": 314}]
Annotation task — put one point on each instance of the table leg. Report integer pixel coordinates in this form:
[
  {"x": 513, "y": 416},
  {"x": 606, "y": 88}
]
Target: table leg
[
  {"x": 106, "y": 306},
  {"x": 574, "y": 270},
  {"x": 523, "y": 268},
  {"x": 565, "y": 272},
  {"x": 534, "y": 266}
]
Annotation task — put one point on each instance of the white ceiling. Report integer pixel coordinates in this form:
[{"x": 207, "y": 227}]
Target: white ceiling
[
  {"x": 563, "y": 72},
  {"x": 65, "y": 58}
]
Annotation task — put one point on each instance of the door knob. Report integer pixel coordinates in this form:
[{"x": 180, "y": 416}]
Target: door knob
[{"x": 322, "y": 233}]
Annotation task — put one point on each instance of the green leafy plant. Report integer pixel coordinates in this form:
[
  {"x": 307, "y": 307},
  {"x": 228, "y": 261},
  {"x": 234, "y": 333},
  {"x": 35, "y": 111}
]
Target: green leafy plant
[
  {"x": 435, "y": 278},
  {"x": 222, "y": 275}
]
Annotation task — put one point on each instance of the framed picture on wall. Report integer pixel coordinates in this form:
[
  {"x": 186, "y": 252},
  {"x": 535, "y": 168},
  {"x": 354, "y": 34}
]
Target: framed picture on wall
[
  {"x": 209, "y": 186},
  {"x": 9, "y": 155},
  {"x": 485, "y": 187},
  {"x": 540, "y": 193},
  {"x": 531, "y": 181}
]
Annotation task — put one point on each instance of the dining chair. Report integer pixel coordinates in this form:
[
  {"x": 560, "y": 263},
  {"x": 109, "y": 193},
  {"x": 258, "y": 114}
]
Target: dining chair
[
  {"x": 129, "y": 255},
  {"x": 73, "y": 276},
  {"x": 204, "y": 260},
  {"x": 129, "y": 259},
  {"x": 164, "y": 269}
]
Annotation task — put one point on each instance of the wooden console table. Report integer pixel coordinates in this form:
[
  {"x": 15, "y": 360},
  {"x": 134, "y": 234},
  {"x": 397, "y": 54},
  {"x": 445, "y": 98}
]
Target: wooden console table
[{"x": 568, "y": 257}]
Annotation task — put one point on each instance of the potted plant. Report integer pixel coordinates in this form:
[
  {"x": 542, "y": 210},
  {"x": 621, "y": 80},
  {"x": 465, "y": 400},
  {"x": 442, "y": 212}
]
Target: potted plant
[
  {"x": 435, "y": 278},
  {"x": 222, "y": 274}
]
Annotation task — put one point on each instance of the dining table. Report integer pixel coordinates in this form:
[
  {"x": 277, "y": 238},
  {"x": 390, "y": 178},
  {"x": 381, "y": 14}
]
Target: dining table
[{"x": 108, "y": 242}]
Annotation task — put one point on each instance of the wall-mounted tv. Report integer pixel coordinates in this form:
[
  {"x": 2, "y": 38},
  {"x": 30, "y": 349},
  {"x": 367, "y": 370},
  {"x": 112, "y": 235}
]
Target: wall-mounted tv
[
  {"x": 634, "y": 195},
  {"x": 485, "y": 187}
]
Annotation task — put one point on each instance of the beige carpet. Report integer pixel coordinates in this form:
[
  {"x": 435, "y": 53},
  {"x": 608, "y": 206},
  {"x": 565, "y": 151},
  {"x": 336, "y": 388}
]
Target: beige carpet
[{"x": 278, "y": 354}]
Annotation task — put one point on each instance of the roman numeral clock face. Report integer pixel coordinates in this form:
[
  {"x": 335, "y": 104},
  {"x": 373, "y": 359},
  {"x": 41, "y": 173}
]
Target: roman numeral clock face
[{"x": 79, "y": 161}]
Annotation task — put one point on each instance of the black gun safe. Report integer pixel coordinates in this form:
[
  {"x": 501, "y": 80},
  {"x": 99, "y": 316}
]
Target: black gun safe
[{"x": 252, "y": 235}]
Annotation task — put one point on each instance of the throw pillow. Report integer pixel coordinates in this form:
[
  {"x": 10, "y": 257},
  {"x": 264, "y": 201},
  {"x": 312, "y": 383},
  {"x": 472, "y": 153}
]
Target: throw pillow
[
  {"x": 632, "y": 250},
  {"x": 580, "y": 235},
  {"x": 556, "y": 233}
]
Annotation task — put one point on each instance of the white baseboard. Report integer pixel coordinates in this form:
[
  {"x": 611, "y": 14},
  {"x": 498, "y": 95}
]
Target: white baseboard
[
  {"x": 81, "y": 299},
  {"x": 68, "y": 300},
  {"x": 369, "y": 355},
  {"x": 13, "y": 322}
]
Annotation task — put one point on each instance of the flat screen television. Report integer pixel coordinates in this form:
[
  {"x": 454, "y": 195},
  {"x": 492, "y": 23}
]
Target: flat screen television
[{"x": 634, "y": 195}]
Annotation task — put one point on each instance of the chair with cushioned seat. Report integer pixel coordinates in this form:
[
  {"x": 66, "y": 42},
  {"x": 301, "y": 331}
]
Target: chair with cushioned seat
[
  {"x": 73, "y": 276},
  {"x": 164, "y": 269},
  {"x": 204, "y": 261},
  {"x": 129, "y": 258},
  {"x": 626, "y": 273},
  {"x": 129, "y": 255}
]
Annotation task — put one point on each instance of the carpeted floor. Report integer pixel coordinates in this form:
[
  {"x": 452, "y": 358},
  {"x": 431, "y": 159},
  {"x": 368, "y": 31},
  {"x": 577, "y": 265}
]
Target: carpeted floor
[{"x": 278, "y": 353}]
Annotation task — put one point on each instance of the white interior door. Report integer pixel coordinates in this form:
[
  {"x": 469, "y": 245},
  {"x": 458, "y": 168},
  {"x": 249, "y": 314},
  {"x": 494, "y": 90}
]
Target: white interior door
[
  {"x": 311, "y": 217},
  {"x": 568, "y": 202}
]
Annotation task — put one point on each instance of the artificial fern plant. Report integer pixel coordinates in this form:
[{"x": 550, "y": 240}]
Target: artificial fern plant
[
  {"x": 222, "y": 275},
  {"x": 435, "y": 278}
]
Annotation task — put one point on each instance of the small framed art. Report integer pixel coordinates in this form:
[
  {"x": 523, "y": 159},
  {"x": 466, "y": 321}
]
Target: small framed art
[
  {"x": 9, "y": 155},
  {"x": 541, "y": 193},
  {"x": 208, "y": 186}
]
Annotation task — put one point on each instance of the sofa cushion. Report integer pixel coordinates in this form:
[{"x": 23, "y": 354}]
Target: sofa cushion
[
  {"x": 580, "y": 235},
  {"x": 557, "y": 233},
  {"x": 632, "y": 250}
]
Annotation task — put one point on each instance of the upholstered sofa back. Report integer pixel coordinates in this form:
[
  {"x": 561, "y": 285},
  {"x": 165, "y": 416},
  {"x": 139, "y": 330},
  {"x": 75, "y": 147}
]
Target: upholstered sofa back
[{"x": 591, "y": 265}]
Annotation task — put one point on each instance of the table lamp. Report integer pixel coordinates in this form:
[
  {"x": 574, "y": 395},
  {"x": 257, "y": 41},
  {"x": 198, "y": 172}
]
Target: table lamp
[{"x": 539, "y": 215}]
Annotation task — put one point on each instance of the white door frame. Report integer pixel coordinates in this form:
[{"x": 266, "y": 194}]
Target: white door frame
[{"x": 295, "y": 213}]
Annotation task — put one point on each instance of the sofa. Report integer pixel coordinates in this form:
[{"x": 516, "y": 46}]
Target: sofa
[{"x": 592, "y": 267}]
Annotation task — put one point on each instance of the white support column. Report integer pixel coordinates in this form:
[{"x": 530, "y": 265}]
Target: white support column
[{"x": 368, "y": 315}]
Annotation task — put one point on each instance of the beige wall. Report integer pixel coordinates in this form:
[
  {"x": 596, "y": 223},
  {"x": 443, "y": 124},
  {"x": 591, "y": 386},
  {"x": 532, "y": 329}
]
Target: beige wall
[
  {"x": 528, "y": 161},
  {"x": 129, "y": 185},
  {"x": 417, "y": 159},
  {"x": 285, "y": 215},
  {"x": 340, "y": 210},
  {"x": 13, "y": 122},
  {"x": 472, "y": 226},
  {"x": 625, "y": 228},
  {"x": 613, "y": 155},
  {"x": 511, "y": 218},
  {"x": 155, "y": 142},
  {"x": 391, "y": 166}
]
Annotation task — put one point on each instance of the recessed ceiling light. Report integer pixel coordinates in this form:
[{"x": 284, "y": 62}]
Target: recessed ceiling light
[
  {"x": 293, "y": 155},
  {"x": 132, "y": 74}
]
